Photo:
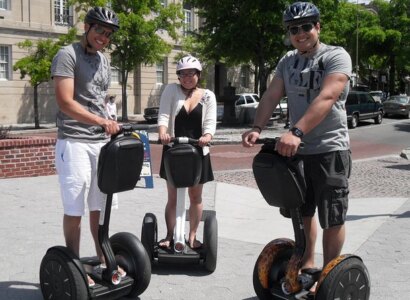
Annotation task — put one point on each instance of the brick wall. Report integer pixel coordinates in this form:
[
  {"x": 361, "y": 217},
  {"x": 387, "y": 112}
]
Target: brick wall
[{"x": 27, "y": 156}]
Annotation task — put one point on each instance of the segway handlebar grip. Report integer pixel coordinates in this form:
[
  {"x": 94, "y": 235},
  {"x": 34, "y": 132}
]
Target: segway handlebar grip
[
  {"x": 272, "y": 142},
  {"x": 184, "y": 140}
]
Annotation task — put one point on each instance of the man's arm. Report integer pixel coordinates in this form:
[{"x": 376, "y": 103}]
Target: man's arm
[
  {"x": 332, "y": 87},
  {"x": 64, "y": 89},
  {"x": 267, "y": 104},
  {"x": 269, "y": 101}
]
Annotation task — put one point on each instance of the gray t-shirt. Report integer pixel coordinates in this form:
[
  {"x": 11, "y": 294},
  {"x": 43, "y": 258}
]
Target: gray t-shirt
[
  {"x": 92, "y": 74},
  {"x": 303, "y": 77}
]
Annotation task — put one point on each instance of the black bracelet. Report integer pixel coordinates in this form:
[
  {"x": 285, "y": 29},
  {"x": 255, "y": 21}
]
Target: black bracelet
[{"x": 257, "y": 127}]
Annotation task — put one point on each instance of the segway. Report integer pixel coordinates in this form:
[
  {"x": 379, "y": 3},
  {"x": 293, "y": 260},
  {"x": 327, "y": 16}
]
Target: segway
[
  {"x": 63, "y": 275},
  {"x": 183, "y": 166},
  {"x": 276, "y": 273}
]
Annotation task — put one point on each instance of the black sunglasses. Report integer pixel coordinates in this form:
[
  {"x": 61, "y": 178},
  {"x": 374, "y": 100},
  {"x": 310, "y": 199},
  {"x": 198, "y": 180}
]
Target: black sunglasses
[
  {"x": 305, "y": 27},
  {"x": 101, "y": 30}
]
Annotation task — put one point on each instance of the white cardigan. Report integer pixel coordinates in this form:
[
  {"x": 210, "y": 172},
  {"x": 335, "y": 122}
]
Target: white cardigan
[{"x": 172, "y": 100}]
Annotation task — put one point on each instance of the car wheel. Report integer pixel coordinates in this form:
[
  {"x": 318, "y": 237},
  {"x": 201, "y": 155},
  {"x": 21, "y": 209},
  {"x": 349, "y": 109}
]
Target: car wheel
[
  {"x": 408, "y": 114},
  {"x": 379, "y": 118},
  {"x": 355, "y": 120}
]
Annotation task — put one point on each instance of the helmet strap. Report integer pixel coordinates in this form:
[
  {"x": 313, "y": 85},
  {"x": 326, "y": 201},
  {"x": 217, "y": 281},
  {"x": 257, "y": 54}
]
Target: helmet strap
[
  {"x": 308, "y": 51},
  {"x": 88, "y": 48}
]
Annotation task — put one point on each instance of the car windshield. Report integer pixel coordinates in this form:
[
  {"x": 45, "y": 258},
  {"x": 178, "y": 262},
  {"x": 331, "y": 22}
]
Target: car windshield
[{"x": 402, "y": 100}]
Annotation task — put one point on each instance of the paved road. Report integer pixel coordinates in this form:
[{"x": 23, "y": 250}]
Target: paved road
[{"x": 377, "y": 229}]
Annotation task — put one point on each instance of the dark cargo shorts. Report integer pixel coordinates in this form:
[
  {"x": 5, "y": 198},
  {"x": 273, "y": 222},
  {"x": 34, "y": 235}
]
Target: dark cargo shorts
[{"x": 326, "y": 177}]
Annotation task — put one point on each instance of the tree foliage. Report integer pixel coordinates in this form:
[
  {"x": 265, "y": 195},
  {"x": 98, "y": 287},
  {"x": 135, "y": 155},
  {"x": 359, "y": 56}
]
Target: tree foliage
[
  {"x": 140, "y": 39},
  {"x": 37, "y": 64},
  {"x": 243, "y": 32}
]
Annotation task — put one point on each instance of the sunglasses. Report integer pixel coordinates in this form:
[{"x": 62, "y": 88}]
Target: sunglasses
[
  {"x": 305, "y": 27},
  {"x": 102, "y": 31},
  {"x": 187, "y": 74}
]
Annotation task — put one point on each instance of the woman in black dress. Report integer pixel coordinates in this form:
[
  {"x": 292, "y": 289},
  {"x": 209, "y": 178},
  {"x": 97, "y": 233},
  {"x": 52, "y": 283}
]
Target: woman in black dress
[{"x": 187, "y": 110}]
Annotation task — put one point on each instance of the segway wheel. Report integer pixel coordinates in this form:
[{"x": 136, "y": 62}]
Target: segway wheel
[
  {"x": 130, "y": 254},
  {"x": 149, "y": 234},
  {"x": 347, "y": 280},
  {"x": 210, "y": 242},
  {"x": 60, "y": 279},
  {"x": 281, "y": 255}
]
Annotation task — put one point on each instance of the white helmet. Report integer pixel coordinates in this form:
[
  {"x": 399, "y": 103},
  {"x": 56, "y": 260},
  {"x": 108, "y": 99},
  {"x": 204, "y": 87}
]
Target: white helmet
[{"x": 188, "y": 62}]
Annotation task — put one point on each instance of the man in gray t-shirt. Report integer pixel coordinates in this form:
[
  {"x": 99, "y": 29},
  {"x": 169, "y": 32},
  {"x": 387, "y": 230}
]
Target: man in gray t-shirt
[
  {"x": 81, "y": 75},
  {"x": 315, "y": 78}
]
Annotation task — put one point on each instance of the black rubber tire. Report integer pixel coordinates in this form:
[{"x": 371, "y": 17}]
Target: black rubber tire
[
  {"x": 130, "y": 254},
  {"x": 276, "y": 273},
  {"x": 354, "y": 121},
  {"x": 210, "y": 242},
  {"x": 149, "y": 234},
  {"x": 60, "y": 279},
  {"x": 347, "y": 280},
  {"x": 379, "y": 118}
]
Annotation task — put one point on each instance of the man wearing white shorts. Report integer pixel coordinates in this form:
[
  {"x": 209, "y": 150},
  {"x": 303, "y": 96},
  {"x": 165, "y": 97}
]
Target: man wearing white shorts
[{"x": 81, "y": 75}]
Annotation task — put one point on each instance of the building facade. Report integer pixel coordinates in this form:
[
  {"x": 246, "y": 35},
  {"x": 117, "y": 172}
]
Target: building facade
[{"x": 42, "y": 19}]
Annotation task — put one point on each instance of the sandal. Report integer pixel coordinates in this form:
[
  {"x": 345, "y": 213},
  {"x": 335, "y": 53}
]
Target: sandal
[
  {"x": 91, "y": 282},
  {"x": 195, "y": 244},
  {"x": 165, "y": 243},
  {"x": 97, "y": 270}
]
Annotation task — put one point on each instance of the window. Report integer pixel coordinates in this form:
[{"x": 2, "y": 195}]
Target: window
[
  {"x": 115, "y": 75},
  {"x": 4, "y": 4},
  {"x": 352, "y": 99},
  {"x": 187, "y": 21},
  {"x": 5, "y": 62},
  {"x": 62, "y": 13},
  {"x": 160, "y": 70}
]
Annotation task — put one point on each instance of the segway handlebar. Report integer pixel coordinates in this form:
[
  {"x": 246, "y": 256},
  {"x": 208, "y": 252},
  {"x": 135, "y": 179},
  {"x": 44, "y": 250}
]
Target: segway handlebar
[
  {"x": 125, "y": 127},
  {"x": 184, "y": 140},
  {"x": 272, "y": 142}
]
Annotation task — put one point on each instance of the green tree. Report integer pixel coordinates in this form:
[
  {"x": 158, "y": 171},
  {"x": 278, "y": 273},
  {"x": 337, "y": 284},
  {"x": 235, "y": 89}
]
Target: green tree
[
  {"x": 138, "y": 40},
  {"x": 243, "y": 32},
  {"x": 37, "y": 64}
]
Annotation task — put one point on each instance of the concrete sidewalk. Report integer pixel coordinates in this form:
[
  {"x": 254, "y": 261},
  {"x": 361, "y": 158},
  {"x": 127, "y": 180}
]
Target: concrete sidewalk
[{"x": 31, "y": 222}]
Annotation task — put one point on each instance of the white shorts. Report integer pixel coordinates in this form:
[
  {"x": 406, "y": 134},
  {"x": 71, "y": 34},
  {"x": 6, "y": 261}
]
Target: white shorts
[{"x": 76, "y": 164}]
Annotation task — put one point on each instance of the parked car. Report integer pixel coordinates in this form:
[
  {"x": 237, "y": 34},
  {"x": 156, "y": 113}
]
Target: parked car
[
  {"x": 245, "y": 100},
  {"x": 377, "y": 95},
  {"x": 397, "y": 105},
  {"x": 151, "y": 114},
  {"x": 360, "y": 106}
]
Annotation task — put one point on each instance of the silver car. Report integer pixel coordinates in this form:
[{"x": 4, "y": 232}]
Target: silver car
[{"x": 397, "y": 105}]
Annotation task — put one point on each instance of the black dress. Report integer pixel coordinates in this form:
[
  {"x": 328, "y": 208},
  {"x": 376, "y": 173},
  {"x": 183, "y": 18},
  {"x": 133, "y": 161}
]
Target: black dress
[{"x": 190, "y": 125}]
